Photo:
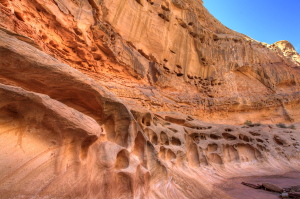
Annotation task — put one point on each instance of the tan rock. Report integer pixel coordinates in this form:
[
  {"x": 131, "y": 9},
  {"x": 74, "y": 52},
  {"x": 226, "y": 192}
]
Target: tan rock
[
  {"x": 288, "y": 51},
  {"x": 272, "y": 187},
  {"x": 143, "y": 44},
  {"x": 122, "y": 100}
]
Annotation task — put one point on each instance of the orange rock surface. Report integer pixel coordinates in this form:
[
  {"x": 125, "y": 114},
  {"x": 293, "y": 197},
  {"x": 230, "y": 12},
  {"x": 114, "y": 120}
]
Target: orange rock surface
[{"x": 139, "y": 99}]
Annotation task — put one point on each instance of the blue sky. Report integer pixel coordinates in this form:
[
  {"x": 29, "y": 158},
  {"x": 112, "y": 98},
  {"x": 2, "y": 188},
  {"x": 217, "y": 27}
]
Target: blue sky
[{"x": 263, "y": 20}]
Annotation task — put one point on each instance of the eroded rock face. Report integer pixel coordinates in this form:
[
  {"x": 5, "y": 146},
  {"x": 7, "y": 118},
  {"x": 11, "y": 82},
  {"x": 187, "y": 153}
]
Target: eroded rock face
[
  {"x": 63, "y": 135},
  {"x": 165, "y": 56},
  {"x": 56, "y": 144},
  {"x": 126, "y": 123},
  {"x": 288, "y": 51}
]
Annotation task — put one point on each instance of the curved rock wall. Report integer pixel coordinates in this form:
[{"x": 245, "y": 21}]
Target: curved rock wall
[
  {"x": 165, "y": 56},
  {"x": 63, "y": 135},
  {"x": 125, "y": 123}
]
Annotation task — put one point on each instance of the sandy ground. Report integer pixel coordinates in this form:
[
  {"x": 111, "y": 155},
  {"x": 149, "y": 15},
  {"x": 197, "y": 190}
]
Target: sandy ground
[{"x": 235, "y": 189}]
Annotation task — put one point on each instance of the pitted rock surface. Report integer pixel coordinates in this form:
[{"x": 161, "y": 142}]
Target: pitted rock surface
[{"x": 139, "y": 99}]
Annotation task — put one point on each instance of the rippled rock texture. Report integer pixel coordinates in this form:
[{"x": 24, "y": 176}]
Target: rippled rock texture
[
  {"x": 121, "y": 99},
  {"x": 165, "y": 55}
]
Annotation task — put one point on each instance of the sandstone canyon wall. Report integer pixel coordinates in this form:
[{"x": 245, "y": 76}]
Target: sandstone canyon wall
[{"x": 138, "y": 99}]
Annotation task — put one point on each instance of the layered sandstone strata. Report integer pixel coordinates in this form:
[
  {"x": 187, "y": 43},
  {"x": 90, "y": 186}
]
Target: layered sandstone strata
[
  {"x": 63, "y": 135},
  {"x": 165, "y": 56},
  {"x": 126, "y": 123}
]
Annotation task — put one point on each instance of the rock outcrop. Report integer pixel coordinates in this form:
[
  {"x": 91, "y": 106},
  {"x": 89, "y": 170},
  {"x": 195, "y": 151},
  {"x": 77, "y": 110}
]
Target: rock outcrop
[
  {"x": 122, "y": 99},
  {"x": 288, "y": 51},
  {"x": 165, "y": 56}
]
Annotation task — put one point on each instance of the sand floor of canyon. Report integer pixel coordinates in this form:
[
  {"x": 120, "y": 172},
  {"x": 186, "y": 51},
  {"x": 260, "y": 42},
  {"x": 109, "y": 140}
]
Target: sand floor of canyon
[{"x": 235, "y": 189}]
